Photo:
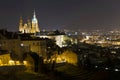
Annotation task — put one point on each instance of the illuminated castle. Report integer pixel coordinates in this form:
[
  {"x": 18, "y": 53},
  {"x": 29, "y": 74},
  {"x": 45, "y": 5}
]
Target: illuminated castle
[{"x": 29, "y": 27}]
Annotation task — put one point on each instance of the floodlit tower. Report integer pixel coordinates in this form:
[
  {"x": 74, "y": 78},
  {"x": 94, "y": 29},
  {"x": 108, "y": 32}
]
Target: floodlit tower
[
  {"x": 35, "y": 27},
  {"x": 21, "y": 25},
  {"x": 29, "y": 25}
]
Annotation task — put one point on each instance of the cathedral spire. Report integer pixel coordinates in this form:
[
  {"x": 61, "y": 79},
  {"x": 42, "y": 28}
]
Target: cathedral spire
[
  {"x": 34, "y": 20},
  {"x": 35, "y": 27},
  {"x": 34, "y": 15}
]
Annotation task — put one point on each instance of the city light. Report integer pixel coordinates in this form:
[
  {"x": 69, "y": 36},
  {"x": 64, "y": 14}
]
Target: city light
[{"x": 11, "y": 62}]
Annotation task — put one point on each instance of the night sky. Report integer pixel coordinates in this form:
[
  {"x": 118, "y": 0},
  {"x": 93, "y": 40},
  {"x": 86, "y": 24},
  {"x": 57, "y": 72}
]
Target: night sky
[{"x": 62, "y": 14}]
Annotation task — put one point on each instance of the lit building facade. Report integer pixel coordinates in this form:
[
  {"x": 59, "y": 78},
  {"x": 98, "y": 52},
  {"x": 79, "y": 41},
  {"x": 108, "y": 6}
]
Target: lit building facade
[
  {"x": 67, "y": 56},
  {"x": 10, "y": 41},
  {"x": 36, "y": 45},
  {"x": 29, "y": 27},
  {"x": 60, "y": 39},
  {"x": 4, "y": 59}
]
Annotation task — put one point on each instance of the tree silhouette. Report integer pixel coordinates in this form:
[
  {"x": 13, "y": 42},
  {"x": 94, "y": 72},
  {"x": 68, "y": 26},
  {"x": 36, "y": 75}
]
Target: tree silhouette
[
  {"x": 14, "y": 56},
  {"x": 38, "y": 63},
  {"x": 51, "y": 47},
  {"x": 36, "y": 59}
]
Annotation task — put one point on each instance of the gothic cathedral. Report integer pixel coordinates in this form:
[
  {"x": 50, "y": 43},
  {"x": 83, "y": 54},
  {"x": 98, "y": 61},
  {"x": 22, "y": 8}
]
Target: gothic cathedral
[{"x": 29, "y": 27}]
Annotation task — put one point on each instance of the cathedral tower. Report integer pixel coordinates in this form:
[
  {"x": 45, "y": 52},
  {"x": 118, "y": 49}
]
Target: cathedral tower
[
  {"x": 35, "y": 27},
  {"x": 29, "y": 27},
  {"x": 21, "y": 25}
]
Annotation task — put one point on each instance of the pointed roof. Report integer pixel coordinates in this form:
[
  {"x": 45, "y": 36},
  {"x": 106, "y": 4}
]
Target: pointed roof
[
  {"x": 20, "y": 18},
  {"x": 34, "y": 15}
]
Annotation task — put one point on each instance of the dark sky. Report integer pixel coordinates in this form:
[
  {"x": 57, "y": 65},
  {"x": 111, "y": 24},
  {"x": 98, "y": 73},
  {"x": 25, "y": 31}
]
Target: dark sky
[{"x": 62, "y": 14}]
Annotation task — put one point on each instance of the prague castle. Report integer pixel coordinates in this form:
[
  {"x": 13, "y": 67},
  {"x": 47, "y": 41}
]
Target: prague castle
[{"x": 30, "y": 26}]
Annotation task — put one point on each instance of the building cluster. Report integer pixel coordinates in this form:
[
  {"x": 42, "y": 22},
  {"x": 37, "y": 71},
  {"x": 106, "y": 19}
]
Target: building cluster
[
  {"x": 31, "y": 39},
  {"x": 33, "y": 29},
  {"x": 17, "y": 44},
  {"x": 104, "y": 39},
  {"x": 28, "y": 39}
]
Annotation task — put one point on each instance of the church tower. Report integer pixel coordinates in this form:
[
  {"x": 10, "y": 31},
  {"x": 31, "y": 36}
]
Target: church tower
[
  {"x": 21, "y": 25},
  {"x": 29, "y": 27},
  {"x": 35, "y": 27}
]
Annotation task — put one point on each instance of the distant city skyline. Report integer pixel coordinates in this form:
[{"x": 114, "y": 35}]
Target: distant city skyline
[{"x": 62, "y": 14}]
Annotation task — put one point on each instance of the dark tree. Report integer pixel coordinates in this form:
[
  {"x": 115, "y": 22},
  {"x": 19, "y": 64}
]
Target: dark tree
[
  {"x": 38, "y": 63},
  {"x": 51, "y": 47},
  {"x": 36, "y": 60},
  {"x": 14, "y": 56}
]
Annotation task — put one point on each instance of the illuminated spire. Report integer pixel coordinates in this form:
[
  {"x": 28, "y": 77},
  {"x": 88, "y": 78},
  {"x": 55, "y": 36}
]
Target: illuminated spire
[
  {"x": 34, "y": 15},
  {"x": 34, "y": 20},
  {"x": 35, "y": 27}
]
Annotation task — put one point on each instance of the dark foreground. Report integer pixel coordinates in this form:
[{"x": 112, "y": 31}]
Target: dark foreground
[{"x": 64, "y": 72}]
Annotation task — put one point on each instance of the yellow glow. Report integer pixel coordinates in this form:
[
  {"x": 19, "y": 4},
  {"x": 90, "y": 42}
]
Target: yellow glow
[
  {"x": 11, "y": 62},
  {"x": 17, "y": 62},
  {"x": 1, "y": 62},
  {"x": 25, "y": 62}
]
